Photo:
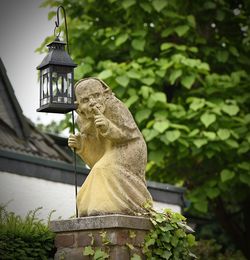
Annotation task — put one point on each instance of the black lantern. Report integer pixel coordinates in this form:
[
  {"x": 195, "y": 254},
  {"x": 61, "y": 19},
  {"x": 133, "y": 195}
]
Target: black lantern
[
  {"x": 57, "y": 76},
  {"x": 56, "y": 80}
]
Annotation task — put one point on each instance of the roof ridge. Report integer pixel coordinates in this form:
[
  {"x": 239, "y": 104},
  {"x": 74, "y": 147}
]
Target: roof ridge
[{"x": 21, "y": 127}]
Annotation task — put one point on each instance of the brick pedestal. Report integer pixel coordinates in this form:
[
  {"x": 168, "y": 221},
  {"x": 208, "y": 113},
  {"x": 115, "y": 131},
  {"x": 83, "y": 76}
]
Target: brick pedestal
[{"x": 120, "y": 236}]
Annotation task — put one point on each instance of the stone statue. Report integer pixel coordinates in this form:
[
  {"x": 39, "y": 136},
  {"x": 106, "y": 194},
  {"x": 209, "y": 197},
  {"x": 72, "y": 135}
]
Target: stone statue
[{"x": 111, "y": 144}]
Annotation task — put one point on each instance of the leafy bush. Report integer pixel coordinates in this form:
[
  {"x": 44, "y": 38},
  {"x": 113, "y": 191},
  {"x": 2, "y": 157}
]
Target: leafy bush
[
  {"x": 25, "y": 238},
  {"x": 169, "y": 239},
  {"x": 210, "y": 249}
]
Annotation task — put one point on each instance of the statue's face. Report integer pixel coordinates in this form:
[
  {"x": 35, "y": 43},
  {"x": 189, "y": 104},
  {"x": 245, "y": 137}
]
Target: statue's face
[{"x": 90, "y": 96}]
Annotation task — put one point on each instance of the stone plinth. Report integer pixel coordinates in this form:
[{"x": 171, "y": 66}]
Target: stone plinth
[{"x": 120, "y": 236}]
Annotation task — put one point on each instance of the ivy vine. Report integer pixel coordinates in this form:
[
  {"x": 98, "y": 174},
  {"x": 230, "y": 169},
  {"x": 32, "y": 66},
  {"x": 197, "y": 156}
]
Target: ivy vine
[{"x": 170, "y": 237}]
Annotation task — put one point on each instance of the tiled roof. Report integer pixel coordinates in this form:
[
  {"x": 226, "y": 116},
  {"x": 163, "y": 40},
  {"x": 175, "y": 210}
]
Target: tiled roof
[{"x": 17, "y": 133}]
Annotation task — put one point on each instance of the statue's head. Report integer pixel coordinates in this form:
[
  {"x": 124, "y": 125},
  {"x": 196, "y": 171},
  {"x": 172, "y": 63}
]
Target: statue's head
[{"x": 90, "y": 96}]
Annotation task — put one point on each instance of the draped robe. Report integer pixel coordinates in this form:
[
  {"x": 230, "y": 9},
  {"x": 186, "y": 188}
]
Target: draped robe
[{"x": 117, "y": 158}]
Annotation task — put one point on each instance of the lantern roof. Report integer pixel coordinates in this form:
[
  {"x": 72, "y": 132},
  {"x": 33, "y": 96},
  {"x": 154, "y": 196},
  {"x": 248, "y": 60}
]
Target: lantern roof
[{"x": 57, "y": 55}]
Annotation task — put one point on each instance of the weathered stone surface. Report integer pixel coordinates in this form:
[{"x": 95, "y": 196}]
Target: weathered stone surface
[
  {"x": 119, "y": 252},
  {"x": 83, "y": 238},
  {"x": 101, "y": 222},
  {"x": 64, "y": 240},
  {"x": 71, "y": 254},
  {"x": 112, "y": 145}
]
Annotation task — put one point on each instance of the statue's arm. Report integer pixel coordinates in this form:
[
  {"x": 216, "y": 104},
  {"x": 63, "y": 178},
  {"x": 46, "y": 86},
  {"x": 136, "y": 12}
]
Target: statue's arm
[
  {"x": 120, "y": 133},
  {"x": 76, "y": 142}
]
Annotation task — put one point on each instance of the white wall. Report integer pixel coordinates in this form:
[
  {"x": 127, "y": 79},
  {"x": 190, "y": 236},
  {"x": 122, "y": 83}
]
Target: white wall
[{"x": 28, "y": 193}]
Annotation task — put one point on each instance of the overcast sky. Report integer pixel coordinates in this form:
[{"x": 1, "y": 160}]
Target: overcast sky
[{"x": 23, "y": 27}]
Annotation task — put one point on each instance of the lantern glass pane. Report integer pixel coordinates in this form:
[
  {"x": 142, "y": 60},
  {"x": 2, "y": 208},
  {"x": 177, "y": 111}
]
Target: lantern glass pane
[
  {"x": 69, "y": 88},
  {"x": 60, "y": 87},
  {"x": 45, "y": 93},
  {"x": 55, "y": 89}
]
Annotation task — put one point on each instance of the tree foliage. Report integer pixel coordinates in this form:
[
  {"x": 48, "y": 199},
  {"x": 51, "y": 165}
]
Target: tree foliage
[{"x": 182, "y": 68}]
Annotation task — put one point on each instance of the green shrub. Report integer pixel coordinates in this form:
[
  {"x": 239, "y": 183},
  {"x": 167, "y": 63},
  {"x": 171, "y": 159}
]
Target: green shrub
[
  {"x": 212, "y": 250},
  {"x": 26, "y": 238},
  {"x": 169, "y": 238}
]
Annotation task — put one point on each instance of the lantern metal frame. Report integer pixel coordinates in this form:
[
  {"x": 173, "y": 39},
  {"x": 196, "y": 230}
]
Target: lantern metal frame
[{"x": 58, "y": 61}]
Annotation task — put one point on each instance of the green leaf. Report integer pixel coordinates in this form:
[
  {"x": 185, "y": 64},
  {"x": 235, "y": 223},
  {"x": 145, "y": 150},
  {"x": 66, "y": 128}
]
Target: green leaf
[
  {"x": 231, "y": 110},
  {"x": 222, "y": 56},
  {"x": 232, "y": 143},
  {"x": 159, "y": 4},
  {"x": 200, "y": 142},
  {"x": 148, "y": 81},
  {"x": 133, "y": 74},
  {"x": 132, "y": 234},
  {"x": 88, "y": 250},
  {"x": 128, "y": 3},
  {"x": 159, "y": 96},
  {"x": 121, "y": 39},
  {"x": 156, "y": 156},
  {"x": 167, "y": 32},
  {"x": 166, "y": 46},
  {"x": 82, "y": 70},
  {"x": 51, "y": 14},
  {"x": 161, "y": 126},
  {"x": 135, "y": 257},
  {"x": 223, "y": 134},
  {"x": 201, "y": 206},
  {"x": 191, "y": 20},
  {"x": 234, "y": 51},
  {"x": 166, "y": 254},
  {"x": 174, "y": 241},
  {"x": 99, "y": 254},
  {"x": 244, "y": 166},
  {"x": 245, "y": 178},
  {"x": 209, "y": 135},
  {"x": 191, "y": 240},
  {"x": 105, "y": 74},
  {"x": 226, "y": 175},
  {"x": 188, "y": 81},
  {"x": 138, "y": 44},
  {"x": 122, "y": 80},
  {"x": 145, "y": 91},
  {"x": 194, "y": 132},
  {"x": 146, "y": 7},
  {"x": 193, "y": 49},
  {"x": 131, "y": 101},
  {"x": 172, "y": 135},
  {"x": 181, "y": 30},
  {"x": 178, "y": 126},
  {"x": 174, "y": 76},
  {"x": 212, "y": 192},
  {"x": 209, "y": 5},
  {"x": 150, "y": 242},
  {"x": 208, "y": 119},
  {"x": 142, "y": 115},
  {"x": 197, "y": 104},
  {"x": 149, "y": 134}
]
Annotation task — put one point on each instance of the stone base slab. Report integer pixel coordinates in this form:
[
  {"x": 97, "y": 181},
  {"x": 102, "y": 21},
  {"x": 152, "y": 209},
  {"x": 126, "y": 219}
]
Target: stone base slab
[{"x": 120, "y": 236}]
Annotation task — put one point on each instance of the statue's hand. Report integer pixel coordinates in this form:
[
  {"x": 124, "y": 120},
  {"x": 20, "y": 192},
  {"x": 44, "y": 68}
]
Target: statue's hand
[
  {"x": 75, "y": 141},
  {"x": 101, "y": 121}
]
